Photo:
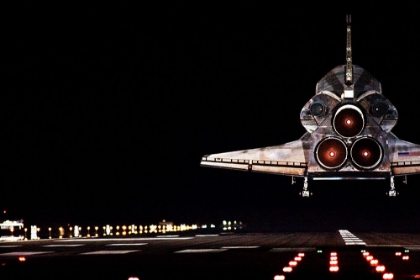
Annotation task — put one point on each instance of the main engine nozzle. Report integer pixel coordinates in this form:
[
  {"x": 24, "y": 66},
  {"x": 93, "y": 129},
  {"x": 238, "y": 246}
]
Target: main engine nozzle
[
  {"x": 331, "y": 153},
  {"x": 366, "y": 153},
  {"x": 348, "y": 121}
]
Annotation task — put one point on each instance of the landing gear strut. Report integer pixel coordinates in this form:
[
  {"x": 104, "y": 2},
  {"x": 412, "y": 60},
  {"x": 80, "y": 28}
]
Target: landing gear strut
[
  {"x": 305, "y": 192},
  {"x": 392, "y": 191}
]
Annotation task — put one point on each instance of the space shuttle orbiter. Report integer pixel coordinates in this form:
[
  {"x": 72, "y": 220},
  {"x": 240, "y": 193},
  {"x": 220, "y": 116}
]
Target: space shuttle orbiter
[{"x": 348, "y": 123}]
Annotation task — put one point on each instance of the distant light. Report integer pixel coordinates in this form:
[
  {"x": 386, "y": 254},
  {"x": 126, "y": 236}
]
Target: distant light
[
  {"x": 380, "y": 268},
  {"x": 405, "y": 258},
  {"x": 298, "y": 259},
  {"x": 406, "y": 251},
  {"x": 333, "y": 258},
  {"x": 287, "y": 269},
  {"x": 333, "y": 262},
  {"x": 133, "y": 278},
  {"x": 374, "y": 262},
  {"x": 319, "y": 251},
  {"x": 334, "y": 268},
  {"x": 398, "y": 253},
  {"x": 365, "y": 254},
  {"x": 388, "y": 275},
  {"x": 369, "y": 258},
  {"x": 22, "y": 259},
  {"x": 279, "y": 277},
  {"x": 333, "y": 254},
  {"x": 301, "y": 254}
]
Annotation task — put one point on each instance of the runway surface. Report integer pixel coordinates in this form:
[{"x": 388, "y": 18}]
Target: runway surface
[{"x": 227, "y": 255}]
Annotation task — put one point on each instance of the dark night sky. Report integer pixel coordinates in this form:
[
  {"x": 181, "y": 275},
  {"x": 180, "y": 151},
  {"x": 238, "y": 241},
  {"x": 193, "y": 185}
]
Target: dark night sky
[{"x": 106, "y": 112}]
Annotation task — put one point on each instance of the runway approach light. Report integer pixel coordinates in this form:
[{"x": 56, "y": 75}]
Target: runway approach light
[
  {"x": 388, "y": 275},
  {"x": 334, "y": 268},
  {"x": 380, "y": 268},
  {"x": 334, "y": 262},
  {"x": 293, "y": 263},
  {"x": 287, "y": 269}
]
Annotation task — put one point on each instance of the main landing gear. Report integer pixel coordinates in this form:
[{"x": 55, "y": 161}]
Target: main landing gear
[
  {"x": 392, "y": 191},
  {"x": 305, "y": 192}
]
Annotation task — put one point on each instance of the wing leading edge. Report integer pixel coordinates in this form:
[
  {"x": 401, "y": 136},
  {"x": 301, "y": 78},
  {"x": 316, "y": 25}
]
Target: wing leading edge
[{"x": 286, "y": 159}]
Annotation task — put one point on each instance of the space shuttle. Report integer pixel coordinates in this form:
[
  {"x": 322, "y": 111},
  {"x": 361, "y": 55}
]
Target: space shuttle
[{"x": 348, "y": 135}]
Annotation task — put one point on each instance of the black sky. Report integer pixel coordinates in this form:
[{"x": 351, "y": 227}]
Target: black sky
[{"x": 106, "y": 112}]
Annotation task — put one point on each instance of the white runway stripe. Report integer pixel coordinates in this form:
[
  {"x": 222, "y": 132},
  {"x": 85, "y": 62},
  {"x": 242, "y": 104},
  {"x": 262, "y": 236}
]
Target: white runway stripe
[
  {"x": 107, "y": 252},
  {"x": 64, "y": 245},
  {"x": 240, "y": 247},
  {"x": 25, "y": 253},
  {"x": 201, "y": 251},
  {"x": 349, "y": 238},
  {"x": 412, "y": 247},
  {"x": 127, "y": 244}
]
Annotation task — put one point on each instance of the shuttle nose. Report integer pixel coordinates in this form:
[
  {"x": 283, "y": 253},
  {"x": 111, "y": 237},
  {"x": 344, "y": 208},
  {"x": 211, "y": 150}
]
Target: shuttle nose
[
  {"x": 366, "y": 153},
  {"x": 348, "y": 121},
  {"x": 331, "y": 153}
]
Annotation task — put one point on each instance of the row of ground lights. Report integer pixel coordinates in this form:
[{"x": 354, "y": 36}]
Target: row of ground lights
[
  {"x": 289, "y": 268},
  {"x": 377, "y": 265}
]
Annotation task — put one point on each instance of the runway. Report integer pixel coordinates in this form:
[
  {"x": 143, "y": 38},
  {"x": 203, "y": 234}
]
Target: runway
[{"x": 229, "y": 255}]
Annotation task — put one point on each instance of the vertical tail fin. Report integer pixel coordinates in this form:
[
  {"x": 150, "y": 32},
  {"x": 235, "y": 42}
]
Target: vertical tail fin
[{"x": 349, "y": 68}]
